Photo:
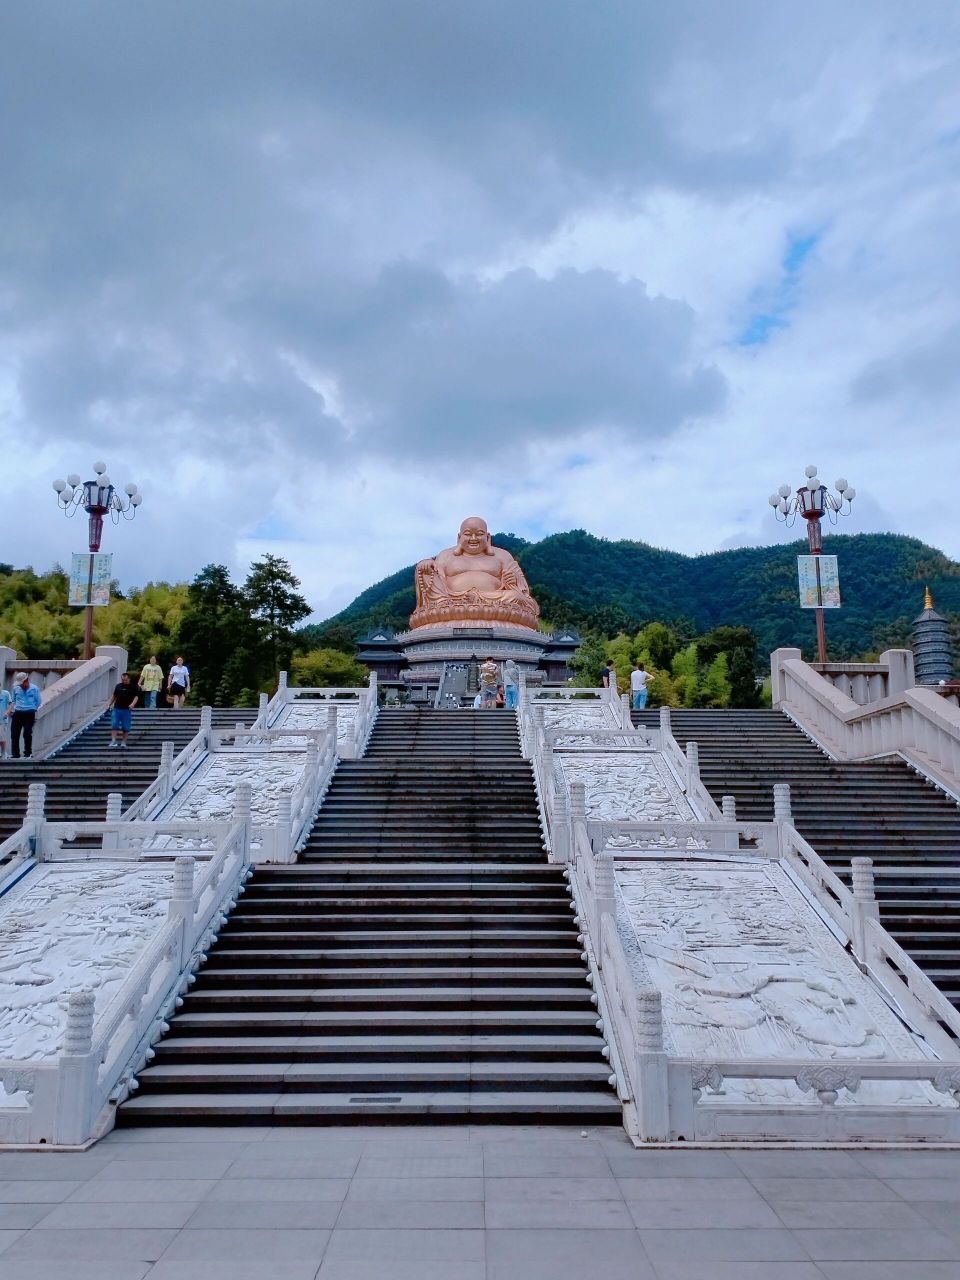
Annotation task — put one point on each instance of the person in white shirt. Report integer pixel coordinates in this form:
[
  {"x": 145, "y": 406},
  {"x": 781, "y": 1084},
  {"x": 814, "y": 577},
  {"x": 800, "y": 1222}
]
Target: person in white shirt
[
  {"x": 639, "y": 679},
  {"x": 178, "y": 683}
]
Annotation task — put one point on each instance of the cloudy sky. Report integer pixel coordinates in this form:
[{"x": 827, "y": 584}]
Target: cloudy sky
[{"x": 326, "y": 277}]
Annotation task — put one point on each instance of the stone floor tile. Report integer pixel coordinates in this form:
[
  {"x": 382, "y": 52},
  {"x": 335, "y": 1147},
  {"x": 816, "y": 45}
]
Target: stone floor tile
[
  {"x": 152, "y": 1213},
  {"x": 364, "y": 1269},
  {"x": 53, "y": 1269},
  {"x": 142, "y": 1190},
  {"x": 687, "y": 1214},
  {"x": 416, "y": 1189},
  {"x": 942, "y": 1214},
  {"x": 692, "y": 1188},
  {"x": 148, "y": 1134},
  {"x": 177, "y": 1150},
  {"x": 9, "y": 1237},
  {"x": 847, "y": 1213},
  {"x": 203, "y": 1269},
  {"x": 264, "y": 1214},
  {"x": 672, "y": 1164},
  {"x": 335, "y": 1164},
  {"x": 545, "y": 1164},
  {"x": 88, "y": 1244},
  {"x": 43, "y": 1191},
  {"x": 150, "y": 1170},
  {"x": 557, "y": 1148},
  {"x": 721, "y": 1245},
  {"x": 30, "y": 1166},
  {"x": 926, "y": 1189},
  {"x": 796, "y": 1189},
  {"x": 394, "y": 1214},
  {"x": 227, "y": 1244},
  {"x": 519, "y": 1190},
  {"x": 911, "y": 1164},
  {"x": 547, "y": 1254},
  {"x": 406, "y": 1245},
  {"x": 16, "y": 1216},
  {"x": 797, "y": 1164},
  {"x": 402, "y": 1165},
  {"x": 926, "y": 1270},
  {"x": 561, "y": 1215},
  {"x": 301, "y": 1190},
  {"x": 697, "y": 1269},
  {"x": 876, "y": 1244}
]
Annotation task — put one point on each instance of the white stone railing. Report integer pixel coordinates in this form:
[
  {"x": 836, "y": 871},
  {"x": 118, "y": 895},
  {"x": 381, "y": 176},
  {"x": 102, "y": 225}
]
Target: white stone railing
[
  {"x": 74, "y": 1098},
  {"x": 660, "y": 1091},
  {"x": 916, "y": 724},
  {"x": 364, "y": 699},
  {"x": 78, "y": 698},
  {"x": 174, "y": 770},
  {"x": 43, "y": 672},
  {"x": 281, "y": 841}
]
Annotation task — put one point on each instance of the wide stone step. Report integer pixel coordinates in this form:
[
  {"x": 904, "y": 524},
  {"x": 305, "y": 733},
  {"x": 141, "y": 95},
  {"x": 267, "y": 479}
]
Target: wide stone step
[
  {"x": 240, "y": 936},
  {"x": 397, "y": 976},
  {"x": 418, "y": 1075},
  {"x": 506, "y": 1106},
  {"x": 317, "y": 1024},
  {"x": 515, "y": 996},
  {"x": 360, "y": 1048}
]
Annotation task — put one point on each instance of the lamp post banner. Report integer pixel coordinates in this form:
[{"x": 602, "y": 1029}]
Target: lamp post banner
[
  {"x": 819, "y": 580},
  {"x": 90, "y": 577}
]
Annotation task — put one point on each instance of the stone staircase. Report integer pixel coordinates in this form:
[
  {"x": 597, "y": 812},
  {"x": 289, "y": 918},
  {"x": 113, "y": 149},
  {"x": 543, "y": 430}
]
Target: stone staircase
[
  {"x": 81, "y": 775},
  {"x": 419, "y": 962},
  {"x": 878, "y": 809}
]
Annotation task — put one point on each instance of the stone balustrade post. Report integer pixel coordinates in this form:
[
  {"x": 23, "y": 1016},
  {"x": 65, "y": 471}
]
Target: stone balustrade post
[
  {"x": 652, "y": 1069},
  {"x": 33, "y": 818},
  {"x": 111, "y": 839},
  {"x": 782, "y": 809},
  {"x": 206, "y": 723},
  {"x": 728, "y": 807},
  {"x": 282, "y": 842},
  {"x": 242, "y": 812},
  {"x": 693, "y": 765},
  {"x": 864, "y": 907},
  {"x": 165, "y": 772},
  {"x": 666, "y": 727},
  {"x": 282, "y": 685},
  {"x": 180, "y": 906},
  {"x": 605, "y": 891},
  {"x": 626, "y": 723},
  {"x": 332, "y": 726},
  {"x": 78, "y": 1071},
  {"x": 262, "y": 703}
]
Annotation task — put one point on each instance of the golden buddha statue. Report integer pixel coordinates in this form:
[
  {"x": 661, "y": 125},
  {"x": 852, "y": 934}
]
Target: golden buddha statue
[{"x": 473, "y": 582}]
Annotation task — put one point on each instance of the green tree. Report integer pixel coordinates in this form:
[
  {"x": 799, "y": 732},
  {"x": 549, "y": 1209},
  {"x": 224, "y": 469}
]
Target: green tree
[
  {"x": 271, "y": 595},
  {"x": 659, "y": 642},
  {"x": 590, "y": 660},
  {"x": 744, "y": 691},
  {"x": 218, "y": 638},
  {"x": 715, "y": 688},
  {"x": 328, "y": 669},
  {"x": 686, "y": 676}
]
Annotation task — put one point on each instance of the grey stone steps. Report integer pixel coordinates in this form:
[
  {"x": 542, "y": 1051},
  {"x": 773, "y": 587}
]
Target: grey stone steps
[
  {"x": 393, "y": 976},
  {"x": 420, "y": 1074},
  {"x": 573, "y": 995},
  {"x": 398, "y": 940},
  {"x": 468, "y": 1021},
  {"x": 358, "y": 1048},
  {"x": 505, "y": 1106}
]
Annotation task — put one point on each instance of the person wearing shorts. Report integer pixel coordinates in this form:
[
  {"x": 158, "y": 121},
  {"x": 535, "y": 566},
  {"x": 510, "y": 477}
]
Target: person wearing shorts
[
  {"x": 120, "y": 706},
  {"x": 178, "y": 683}
]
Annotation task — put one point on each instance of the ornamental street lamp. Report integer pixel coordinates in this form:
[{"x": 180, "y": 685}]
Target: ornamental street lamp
[
  {"x": 97, "y": 498},
  {"x": 813, "y": 500}
]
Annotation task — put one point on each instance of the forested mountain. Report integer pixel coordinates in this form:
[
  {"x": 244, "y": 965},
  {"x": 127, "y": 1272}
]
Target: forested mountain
[{"x": 595, "y": 584}]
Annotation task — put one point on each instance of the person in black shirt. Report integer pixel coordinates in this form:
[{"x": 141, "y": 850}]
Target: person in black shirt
[{"x": 120, "y": 706}]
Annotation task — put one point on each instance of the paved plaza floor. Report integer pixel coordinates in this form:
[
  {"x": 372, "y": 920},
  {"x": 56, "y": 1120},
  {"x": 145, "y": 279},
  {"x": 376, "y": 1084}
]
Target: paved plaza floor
[{"x": 470, "y": 1204}]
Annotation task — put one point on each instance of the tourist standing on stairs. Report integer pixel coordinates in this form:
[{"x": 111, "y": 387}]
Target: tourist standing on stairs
[
  {"x": 640, "y": 678},
  {"x": 6, "y": 702},
  {"x": 26, "y": 704},
  {"x": 511, "y": 684},
  {"x": 151, "y": 682},
  {"x": 120, "y": 706},
  {"x": 178, "y": 682},
  {"x": 489, "y": 678}
]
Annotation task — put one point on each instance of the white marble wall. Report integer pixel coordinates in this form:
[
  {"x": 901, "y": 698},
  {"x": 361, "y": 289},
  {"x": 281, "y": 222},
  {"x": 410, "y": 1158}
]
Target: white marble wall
[
  {"x": 63, "y": 929},
  {"x": 747, "y": 970},
  {"x": 315, "y": 715},
  {"x": 627, "y": 786}
]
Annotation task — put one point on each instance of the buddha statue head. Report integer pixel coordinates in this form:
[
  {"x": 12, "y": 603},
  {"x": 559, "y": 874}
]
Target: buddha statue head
[{"x": 474, "y": 537}]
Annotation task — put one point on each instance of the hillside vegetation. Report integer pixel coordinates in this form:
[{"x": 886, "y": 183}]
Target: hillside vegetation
[{"x": 610, "y": 587}]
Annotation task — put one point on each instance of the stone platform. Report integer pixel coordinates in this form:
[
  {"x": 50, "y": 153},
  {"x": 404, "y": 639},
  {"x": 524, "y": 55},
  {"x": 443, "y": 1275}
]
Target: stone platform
[{"x": 471, "y": 1204}]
